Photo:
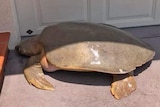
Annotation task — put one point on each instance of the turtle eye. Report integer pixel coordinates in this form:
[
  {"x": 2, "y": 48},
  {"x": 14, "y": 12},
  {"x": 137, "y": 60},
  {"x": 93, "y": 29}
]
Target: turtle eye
[{"x": 24, "y": 51}]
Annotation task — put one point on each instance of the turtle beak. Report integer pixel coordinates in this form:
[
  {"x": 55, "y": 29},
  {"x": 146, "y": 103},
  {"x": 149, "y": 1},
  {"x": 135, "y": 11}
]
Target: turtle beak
[
  {"x": 22, "y": 51},
  {"x": 17, "y": 48}
]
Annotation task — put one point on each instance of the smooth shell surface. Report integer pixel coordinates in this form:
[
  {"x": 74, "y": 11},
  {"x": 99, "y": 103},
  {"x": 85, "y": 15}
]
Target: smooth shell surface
[{"x": 93, "y": 47}]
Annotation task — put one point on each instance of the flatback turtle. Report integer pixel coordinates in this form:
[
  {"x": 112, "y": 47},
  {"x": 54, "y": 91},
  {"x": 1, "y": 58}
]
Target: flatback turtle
[{"x": 80, "y": 46}]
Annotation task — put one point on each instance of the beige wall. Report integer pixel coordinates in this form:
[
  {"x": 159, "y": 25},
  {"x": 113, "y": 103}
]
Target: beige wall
[
  {"x": 8, "y": 21},
  {"x": 5, "y": 16}
]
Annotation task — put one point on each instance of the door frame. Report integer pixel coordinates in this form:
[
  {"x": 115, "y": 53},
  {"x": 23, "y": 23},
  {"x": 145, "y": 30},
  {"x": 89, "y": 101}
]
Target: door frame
[{"x": 15, "y": 36}]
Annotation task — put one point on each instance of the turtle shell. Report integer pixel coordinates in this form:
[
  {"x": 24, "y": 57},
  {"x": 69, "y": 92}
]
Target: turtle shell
[{"x": 93, "y": 47}]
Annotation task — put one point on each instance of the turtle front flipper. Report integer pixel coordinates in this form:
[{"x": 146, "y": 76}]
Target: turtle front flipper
[
  {"x": 34, "y": 74},
  {"x": 123, "y": 85}
]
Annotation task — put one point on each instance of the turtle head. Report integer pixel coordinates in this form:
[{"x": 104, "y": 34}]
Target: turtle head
[{"x": 29, "y": 46}]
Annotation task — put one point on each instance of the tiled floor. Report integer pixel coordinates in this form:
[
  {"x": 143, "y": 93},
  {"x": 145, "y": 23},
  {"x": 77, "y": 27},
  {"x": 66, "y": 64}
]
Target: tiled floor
[{"x": 74, "y": 89}]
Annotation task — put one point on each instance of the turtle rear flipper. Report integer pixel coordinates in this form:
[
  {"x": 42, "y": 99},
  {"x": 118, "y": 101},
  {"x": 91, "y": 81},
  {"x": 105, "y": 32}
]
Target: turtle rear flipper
[
  {"x": 123, "y": 85},
  {"x": 35, "y": 76}
]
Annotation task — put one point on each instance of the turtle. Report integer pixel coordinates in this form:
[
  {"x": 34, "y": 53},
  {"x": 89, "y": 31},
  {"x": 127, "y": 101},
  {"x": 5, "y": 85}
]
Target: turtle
[{"x": 85, "y": 47}]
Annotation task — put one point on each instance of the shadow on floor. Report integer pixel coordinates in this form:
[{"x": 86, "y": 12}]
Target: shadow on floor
[{"x": 16, "y": 63}]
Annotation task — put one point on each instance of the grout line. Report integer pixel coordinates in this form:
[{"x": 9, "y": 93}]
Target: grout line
[{"x": 149, "y": 37}]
